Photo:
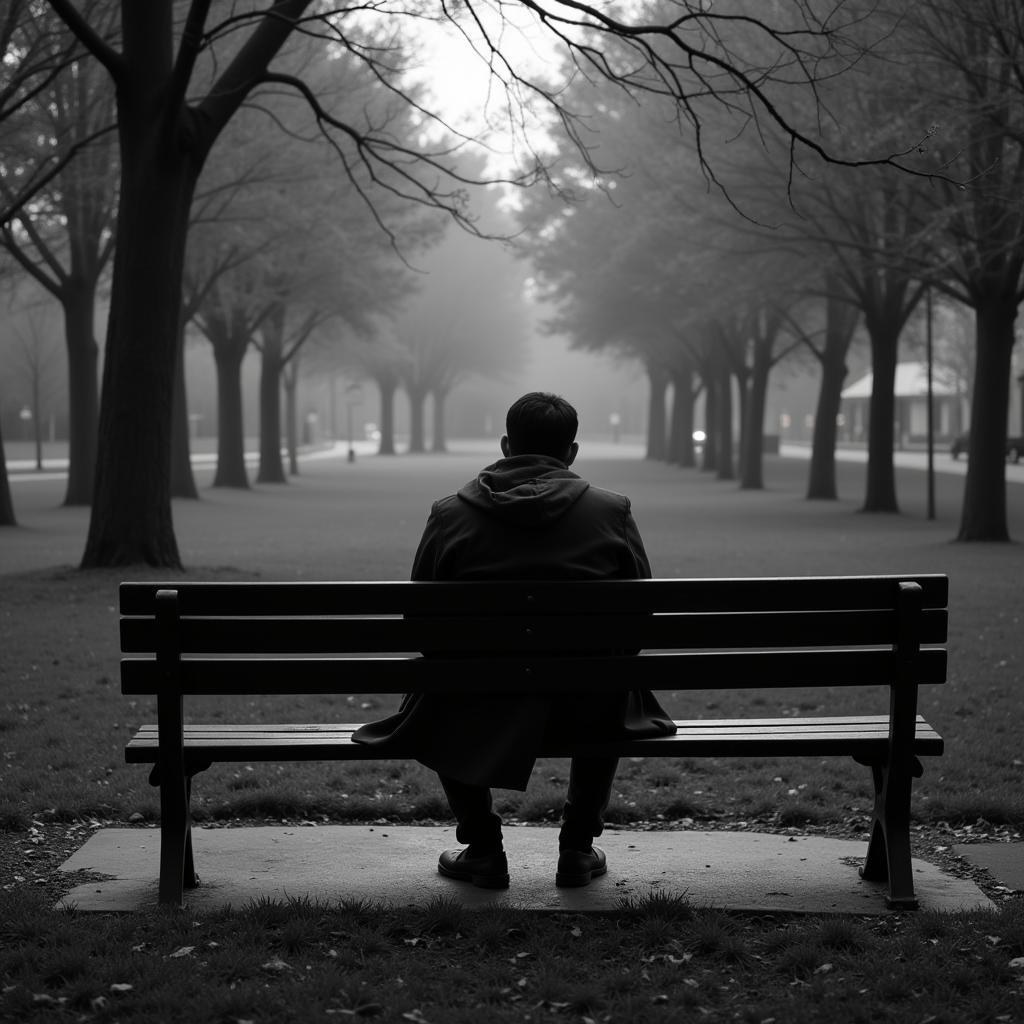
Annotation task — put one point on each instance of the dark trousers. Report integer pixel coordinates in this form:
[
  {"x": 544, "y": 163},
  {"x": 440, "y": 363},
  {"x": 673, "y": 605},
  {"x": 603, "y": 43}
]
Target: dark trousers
[{"x": 590, "y": 787}]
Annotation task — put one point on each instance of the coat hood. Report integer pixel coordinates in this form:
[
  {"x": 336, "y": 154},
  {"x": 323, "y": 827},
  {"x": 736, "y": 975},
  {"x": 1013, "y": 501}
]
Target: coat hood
[{"x": 526, "y": 490}]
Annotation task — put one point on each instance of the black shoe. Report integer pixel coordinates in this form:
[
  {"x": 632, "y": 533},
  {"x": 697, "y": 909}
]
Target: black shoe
[
  {"x": 486, "y": 871},
  {"x": 578, "y": 867}
]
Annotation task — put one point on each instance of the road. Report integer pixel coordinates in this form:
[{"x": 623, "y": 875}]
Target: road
[{"x": 21, "y": 470}]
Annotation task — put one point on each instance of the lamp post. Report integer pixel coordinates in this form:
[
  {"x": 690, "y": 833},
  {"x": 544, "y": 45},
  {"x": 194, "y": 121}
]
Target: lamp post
[
  {"x": 354, "y": 396},
  {"x": 931, "y": 431}
]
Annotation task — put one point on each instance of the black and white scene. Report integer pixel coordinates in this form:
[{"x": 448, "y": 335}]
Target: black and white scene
[{"x": 511, "y": 511}]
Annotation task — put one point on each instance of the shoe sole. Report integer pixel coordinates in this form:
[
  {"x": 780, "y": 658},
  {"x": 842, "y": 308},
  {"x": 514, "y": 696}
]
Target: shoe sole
[
  {"x": 480, "y": 881},
  {"x": 576, "y": 880}
]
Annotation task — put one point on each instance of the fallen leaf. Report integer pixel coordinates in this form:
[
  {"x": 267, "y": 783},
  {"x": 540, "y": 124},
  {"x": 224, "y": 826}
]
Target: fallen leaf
[
  {"x": 183, "y": 951},
  {"x": 276, "y": 966}
]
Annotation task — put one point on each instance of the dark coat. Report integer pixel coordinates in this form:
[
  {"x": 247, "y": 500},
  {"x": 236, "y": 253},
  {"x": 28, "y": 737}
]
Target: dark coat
[{"x": 529, "y": 518}]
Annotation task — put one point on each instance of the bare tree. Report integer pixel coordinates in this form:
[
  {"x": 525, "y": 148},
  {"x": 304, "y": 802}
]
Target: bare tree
[
  {"x": 7, "y": 517},
  {"x": 689, "y": 52},
  {"x": 972, "y": 62},
  {"x": 37, "y": 355},
  {"x": 59, "y": 136}
]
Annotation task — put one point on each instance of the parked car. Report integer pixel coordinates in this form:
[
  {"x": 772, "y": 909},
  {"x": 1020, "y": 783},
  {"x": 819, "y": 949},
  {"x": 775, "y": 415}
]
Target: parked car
[{"x": 1014, "y": 447}]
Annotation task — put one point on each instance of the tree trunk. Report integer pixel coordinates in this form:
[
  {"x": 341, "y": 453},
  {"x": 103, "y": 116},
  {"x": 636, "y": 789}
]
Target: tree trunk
[
  {"x": 6, "y": 505},
  {"x": 656, "y": 412},
  {"x": 681, "y": 451},
  {"x": 752, "y": 462},
  {"x": 37, "y": 420},
  {"x": 440, "y": 439},
  {"x": 387, "y": 385},
  {"x": 271, "y": 469},
  {"x": 983, "y": 516},
  {"x": 291, "y": 415},
  {"x": 417, "y": 439},
  {"x": 724, "y": 432},
  {"x": 709, "y": 463},
  {"x": 131, "y": 519},
  {"x": 231, "y": 470},
  {"x": 881, "y": 476},
  {"x": 163, "y": 143},
  {"x": 183, "y": 483},
  {"x": 332, "y": 406},
  {"x": 78, "y": 299},
  {"x": 821, "y": 477},
  {"x": 742, "y": 374},
  {"x": 841, "y": 318}
]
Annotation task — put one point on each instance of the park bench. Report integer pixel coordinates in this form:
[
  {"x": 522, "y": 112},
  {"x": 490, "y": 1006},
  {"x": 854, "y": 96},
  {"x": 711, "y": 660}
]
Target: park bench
[{"x": 184, "y": 639}]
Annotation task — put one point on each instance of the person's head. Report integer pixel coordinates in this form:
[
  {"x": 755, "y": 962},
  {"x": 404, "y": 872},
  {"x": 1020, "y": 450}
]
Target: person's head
[{"x": 541, "y": 424}]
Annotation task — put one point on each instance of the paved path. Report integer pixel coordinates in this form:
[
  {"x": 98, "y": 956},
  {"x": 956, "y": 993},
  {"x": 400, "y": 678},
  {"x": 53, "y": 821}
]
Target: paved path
[
  {"x": 750, "y": 871},
  {"x": 943, "y": 462}
]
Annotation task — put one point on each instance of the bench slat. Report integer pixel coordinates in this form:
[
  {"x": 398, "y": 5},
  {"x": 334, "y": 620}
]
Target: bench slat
[
  {"x": 686, "y": 670},
  {"x": 511, "y": 597},
  {"x": 860, "y": 736},
  {"x": 529, "y": 633},
  {"x": 849, "y": 723}
]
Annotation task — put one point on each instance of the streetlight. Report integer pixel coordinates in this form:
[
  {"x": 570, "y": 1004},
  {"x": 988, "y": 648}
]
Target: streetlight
[
  {"x": 354, "y": 396},
  {"x": 930, "y": 402}
]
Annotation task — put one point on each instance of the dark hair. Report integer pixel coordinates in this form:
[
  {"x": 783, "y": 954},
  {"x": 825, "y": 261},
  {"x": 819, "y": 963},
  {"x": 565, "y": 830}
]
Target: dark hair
[{"x": 541, "y": 424}]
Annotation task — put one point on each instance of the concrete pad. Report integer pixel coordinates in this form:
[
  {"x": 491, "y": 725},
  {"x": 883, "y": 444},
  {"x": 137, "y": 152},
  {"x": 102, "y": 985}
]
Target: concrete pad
[
  {"x": 1005, "y": 861},
  {"x": 730, "y": 870}
]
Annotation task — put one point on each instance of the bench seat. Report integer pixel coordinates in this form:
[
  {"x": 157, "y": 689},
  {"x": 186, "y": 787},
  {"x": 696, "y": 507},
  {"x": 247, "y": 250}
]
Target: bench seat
[{"x": 863, "y": 737}]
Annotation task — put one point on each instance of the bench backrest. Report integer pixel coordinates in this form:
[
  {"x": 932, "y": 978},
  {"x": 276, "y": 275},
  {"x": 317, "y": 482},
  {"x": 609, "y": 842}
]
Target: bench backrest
[{"x": 555, "y": 636}]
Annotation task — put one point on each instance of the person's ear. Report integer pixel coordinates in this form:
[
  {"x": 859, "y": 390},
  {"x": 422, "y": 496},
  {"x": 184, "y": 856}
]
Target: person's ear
[
  {"x": 505, "y": 446},
  {"x": 574, "y": 449}
]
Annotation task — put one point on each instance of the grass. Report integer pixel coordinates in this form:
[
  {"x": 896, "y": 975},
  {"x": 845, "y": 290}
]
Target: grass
[
  {"x": 656, "y": 960},
  {"x": 63, "y": 721},
  {"x": 63, "y": 725}
]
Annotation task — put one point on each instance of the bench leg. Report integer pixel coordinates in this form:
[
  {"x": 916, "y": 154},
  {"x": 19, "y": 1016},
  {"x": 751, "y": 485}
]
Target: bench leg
[
  {"x": 177, "y": 866},
  {"x": 189, "y": 877},
  {"x": 888, "y": 855}
]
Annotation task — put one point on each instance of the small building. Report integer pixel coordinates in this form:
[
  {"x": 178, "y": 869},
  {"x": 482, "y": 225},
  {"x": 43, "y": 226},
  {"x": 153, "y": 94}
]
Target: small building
[{"x": 949, "y": 406}]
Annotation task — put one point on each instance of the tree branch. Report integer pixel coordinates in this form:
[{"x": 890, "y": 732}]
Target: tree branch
[
  {"x": 250, "y": 62},
  {"x": 189, "y": 48},
  {"x": 14, "y": 203},
  {"x": 90, "y": 39}
]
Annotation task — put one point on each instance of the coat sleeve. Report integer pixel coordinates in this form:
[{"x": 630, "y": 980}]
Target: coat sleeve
[
  {"x": 637, "y": 565},
  {"x": 428, "y": 554}
]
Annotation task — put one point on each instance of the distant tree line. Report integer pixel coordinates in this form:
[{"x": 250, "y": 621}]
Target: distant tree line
[
  {"x": 137, "y": 158},
  {"x": 712, "y": 262}
]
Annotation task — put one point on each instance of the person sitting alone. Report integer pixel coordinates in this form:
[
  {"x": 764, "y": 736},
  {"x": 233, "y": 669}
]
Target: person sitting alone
[{"x": 525, "y": 517}]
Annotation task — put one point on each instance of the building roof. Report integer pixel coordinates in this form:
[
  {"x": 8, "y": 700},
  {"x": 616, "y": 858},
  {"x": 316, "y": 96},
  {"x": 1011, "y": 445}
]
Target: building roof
[{"x": 911, "y": 382}]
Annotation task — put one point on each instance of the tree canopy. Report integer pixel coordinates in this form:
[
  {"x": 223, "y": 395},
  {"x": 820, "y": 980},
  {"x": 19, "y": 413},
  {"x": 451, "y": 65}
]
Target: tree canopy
[{"x": 181, "y": 71}]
